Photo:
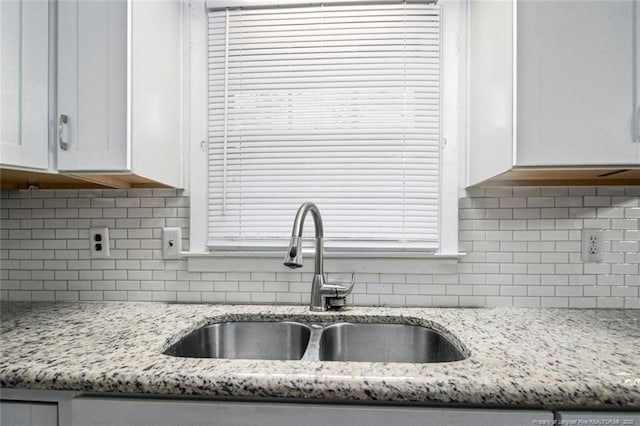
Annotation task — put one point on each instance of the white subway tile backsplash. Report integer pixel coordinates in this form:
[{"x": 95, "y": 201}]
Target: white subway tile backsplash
[
  {"x": 177, "y": 286},
  {"x": 555, "y": 280},
  {"x": 188, "y": 297},
  {"x": 392, "y": 278},
  {"x": 632, "y": 212},
  {"x": 276, "y": 286},
  {"x": 42, "y": 296},
  {"x": 127, "y": 285},
  {"x": 139, "y": 296},
  {"x": 263, "y": 297},
  {"x": 407, "y": 289},
  {"x": 211, "y": 297},
  {"x": 541, "y": 202},
  {"x": 411, "y": 278},
  {"x": 67, "y": 296},
  {"x": 535, "y": 224},
  {"x": 540, "y": 268},
  {"x": 497, "y": 214},
  {"x": 485, "y": 246},
  {"x": 624, "y": 291},
  {"x": 610, "y": 212},
  {"x": 610, "y": 302},
  {"x": 555, "y": 302},
  {"x": 498, "y": 192},
  {"x": 485, "y": 203},
  {"x": 571, "y": 268},
  {"x": 295, "y": 298},
  {"x": 418, "y": 300},
  {"x": 163, "y": 296},
  {"x": 152, "y": 285},
  {"x": 572, "y": 201},
  {"x": 251, "y": 286},
  {"x": 632, "y": 302},
  {"x": 115, "y": 295},
  {"x": 433, "y": 289},
  {"x": 226, "y": 286},
  {"x": 394, "y": 300},
  {"x": 597, "y": 268},
  {"x": 484, "y": 268},
  {"x": 627, "y": 224},
  {"x": 366, "y": 299},
  {"x": 513, "y": 202},
  {"x": 540, "y": 291},
  {"x": 127, "y": 202},
  {"x": 379, "y": 288},
  {"x": 557, "y": 235},
  {"x": 522, "y": 245},
  {"x": 152, "y": 202},
  {"x": 633, "y": 279},
  {"x": 476, "y": 214},
  {"x": 441, "y": 301},
  {"x": 568, "y": 291},
  {"x": 541, "y": 246}
]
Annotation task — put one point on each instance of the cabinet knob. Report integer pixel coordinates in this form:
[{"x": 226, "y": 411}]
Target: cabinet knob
[{"x": 61, "y": 122}]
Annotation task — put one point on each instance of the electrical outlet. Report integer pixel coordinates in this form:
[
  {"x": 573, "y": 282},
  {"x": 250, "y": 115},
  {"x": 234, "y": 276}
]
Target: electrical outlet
[
  {"x": 99, "y": 242},
  {"x": 171, "y": 243},
  {"x": 592, "y": 245}
]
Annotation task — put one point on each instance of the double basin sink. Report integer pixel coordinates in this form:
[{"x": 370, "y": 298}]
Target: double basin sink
[{"x": 336, "y": 341}]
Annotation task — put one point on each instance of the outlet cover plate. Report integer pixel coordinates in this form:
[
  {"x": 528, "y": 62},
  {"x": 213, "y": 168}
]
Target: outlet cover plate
[
  {"x": 592, "y": 245},
  {"x": 99, "y": 242},
  {"x": 171, "y": 243}
]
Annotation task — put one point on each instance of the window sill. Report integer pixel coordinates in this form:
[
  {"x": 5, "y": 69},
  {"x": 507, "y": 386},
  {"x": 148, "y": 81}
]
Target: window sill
[{"x": 338, "y": 262}]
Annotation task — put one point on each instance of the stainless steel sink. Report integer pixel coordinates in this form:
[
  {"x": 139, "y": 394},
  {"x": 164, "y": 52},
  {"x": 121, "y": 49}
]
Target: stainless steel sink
[
  {"x": 343, "y": 341},
  {"x": 280, "y": 340},
  {"x": 385, "y": 343}
]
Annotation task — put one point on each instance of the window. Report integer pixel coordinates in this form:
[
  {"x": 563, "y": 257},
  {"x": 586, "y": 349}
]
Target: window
[{"x": 337, "y": 104}]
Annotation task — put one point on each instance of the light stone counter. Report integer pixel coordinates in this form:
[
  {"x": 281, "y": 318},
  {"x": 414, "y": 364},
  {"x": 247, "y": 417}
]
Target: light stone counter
[{"x": 551, "y": 358}]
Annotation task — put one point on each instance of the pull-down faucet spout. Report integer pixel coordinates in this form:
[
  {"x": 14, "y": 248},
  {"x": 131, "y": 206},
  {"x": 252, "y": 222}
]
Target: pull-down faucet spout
[
  {"x": 294, "y": 255},
  {"x": 324, "y": 295}
]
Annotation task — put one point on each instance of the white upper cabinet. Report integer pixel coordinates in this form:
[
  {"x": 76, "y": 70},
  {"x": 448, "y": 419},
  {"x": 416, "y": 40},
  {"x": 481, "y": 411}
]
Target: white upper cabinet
[
  {"x": 119, "y": 88},
  {"x": 575, "y": 82},
  {"x": 92, "y": 85},
  {"x": 24, "y": 83},
  {"x": 553, "y": 84}
]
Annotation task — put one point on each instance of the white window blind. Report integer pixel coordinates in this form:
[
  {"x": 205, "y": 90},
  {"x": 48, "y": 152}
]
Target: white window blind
[{"x": 335, "y": 104}]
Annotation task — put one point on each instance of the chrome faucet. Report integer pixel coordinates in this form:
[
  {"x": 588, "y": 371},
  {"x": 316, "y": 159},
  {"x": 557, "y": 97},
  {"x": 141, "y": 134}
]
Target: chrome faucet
[{"x": 324, "y": 295}]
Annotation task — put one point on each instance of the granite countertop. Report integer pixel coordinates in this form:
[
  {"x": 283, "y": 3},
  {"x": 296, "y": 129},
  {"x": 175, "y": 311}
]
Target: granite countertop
[{"x": 548, "y": 358}]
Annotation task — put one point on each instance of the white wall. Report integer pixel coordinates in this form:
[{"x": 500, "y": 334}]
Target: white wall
[{"x": 522, "y": 245}]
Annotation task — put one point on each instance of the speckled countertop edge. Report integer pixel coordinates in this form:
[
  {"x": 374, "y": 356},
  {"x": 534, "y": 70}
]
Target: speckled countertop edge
[{"x": 526, "y": 357}]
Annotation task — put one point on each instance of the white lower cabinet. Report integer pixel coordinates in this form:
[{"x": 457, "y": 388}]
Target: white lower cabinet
[
  {"x": 28, "y": 413},
  {"x": 31, "y": 407},
  {"x": 22, "y": 407},
  {"x": 605, "y": 418},
  {"x": 135, "y": 412}
]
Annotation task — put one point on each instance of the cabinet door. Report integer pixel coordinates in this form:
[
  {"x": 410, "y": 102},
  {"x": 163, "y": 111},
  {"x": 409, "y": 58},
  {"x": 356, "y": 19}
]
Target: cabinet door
[
  {"x": 24, "y": 74},
  {"x": 575, "y": 82},
  {"x": 28, "y": 414},
  {"x": 92, "y": 85},
  {"x": 637, "y": 76},
  {"x": 165, "y": 412}
]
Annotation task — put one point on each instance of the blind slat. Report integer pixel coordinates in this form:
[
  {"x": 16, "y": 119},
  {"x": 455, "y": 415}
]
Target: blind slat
[{"x": 336, "y": 104}]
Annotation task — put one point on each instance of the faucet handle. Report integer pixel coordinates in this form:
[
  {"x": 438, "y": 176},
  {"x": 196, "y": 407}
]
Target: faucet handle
[
  {"x": 341, "y": 289},
  {"x": 337, "y": 293}
]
